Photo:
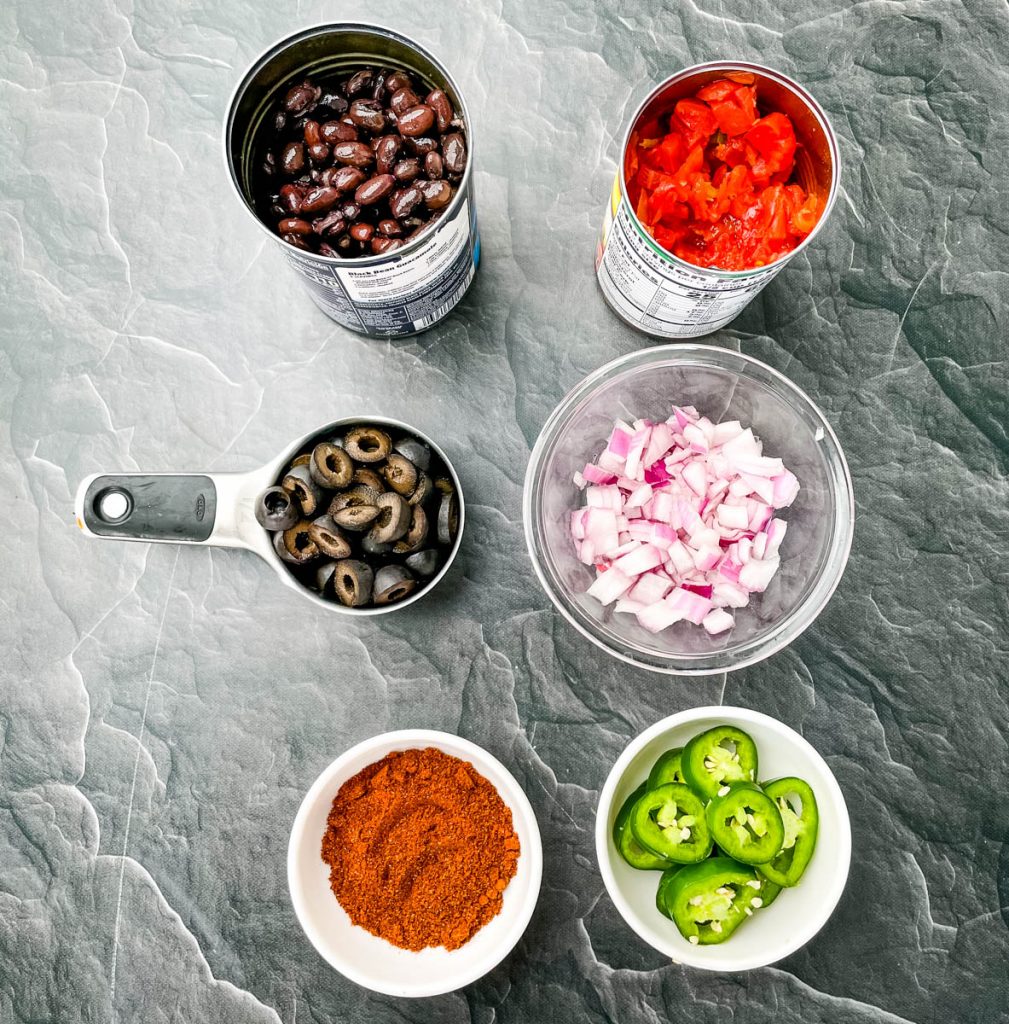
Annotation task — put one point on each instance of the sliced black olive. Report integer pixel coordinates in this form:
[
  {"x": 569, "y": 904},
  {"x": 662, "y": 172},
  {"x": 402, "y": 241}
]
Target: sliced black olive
[
  {"x": 425, "y": 563},
  {"x": 393, "y": 518},
  {"x": 400, "y": 474},
  {"x": 445, "y": 485},
  {"x": 448, "y": 518},
  {"x": 299, "y": 460},
  {"x": 356, "y": 517},
  {"x": 281, "y": 548},
  {"x": 360, "y": 495},
  {"x": 416, "y": 535},
  {"x": 368, "y": 477},
  {"x": 276, "y": 509},
  {"x": 299, "y": 543},
  {"x": 367, "y": 444},
  {"x": 328, "y": 537},
  {"x": 393, "y": 583},
  {"x": 331, "y": 466},
  {"x": 324, "y": 578},
  {"x": 423, "y": 490},
  {"x": 352, "y": 582},
  {"x": 419, "y": 454},
  {"x": 374, "y": 547},
  {"x": 299, "y": 482}
]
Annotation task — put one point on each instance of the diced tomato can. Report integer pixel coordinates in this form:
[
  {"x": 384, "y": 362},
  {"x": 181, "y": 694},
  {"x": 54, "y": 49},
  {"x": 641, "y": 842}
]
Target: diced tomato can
[{"x": 661, "y": 294}]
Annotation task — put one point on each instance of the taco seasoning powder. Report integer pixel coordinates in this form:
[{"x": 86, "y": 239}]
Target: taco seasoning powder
[{"x": 420, "y": 848}]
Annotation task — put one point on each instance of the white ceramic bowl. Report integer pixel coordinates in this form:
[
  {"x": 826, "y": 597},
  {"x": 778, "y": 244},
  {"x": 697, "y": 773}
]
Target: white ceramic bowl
[
  {"x": 798, "y": 913},
  {"x": 368, "y": 960}
]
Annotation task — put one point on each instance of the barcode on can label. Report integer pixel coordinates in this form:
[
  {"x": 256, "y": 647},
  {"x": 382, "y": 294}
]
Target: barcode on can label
[{"x": 659, "y": 296}]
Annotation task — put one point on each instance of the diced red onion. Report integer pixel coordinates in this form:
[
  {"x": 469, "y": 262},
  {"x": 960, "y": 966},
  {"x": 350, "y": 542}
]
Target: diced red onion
[
  {"x": 610, "y": 585},
  {"x": 718, "y": 621}
]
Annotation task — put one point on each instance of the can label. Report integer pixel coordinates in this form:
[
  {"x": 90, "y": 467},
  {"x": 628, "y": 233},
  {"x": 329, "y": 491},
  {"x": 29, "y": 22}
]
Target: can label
[
  {"x": 404, "y": 293},
  {"x": 657, "y": 295}
]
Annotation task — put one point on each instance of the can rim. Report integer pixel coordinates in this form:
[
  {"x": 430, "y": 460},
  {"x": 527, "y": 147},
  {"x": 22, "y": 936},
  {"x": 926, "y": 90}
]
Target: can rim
[
  {"x": 813, "y": 106},
  {"x": 285, "y": 42}
]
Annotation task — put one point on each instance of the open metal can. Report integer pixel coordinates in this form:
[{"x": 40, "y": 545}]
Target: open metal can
[
  {"x": 661, "y": 294},
  {"x": 392, "y": 295}
]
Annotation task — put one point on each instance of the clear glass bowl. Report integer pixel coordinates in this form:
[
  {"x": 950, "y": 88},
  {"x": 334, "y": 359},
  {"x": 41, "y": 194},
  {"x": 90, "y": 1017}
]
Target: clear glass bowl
[{"x": 723, "y": 385}]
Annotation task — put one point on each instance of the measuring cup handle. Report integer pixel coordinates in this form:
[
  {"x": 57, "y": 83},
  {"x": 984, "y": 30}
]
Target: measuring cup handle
[{"x": 174, "y": 508}]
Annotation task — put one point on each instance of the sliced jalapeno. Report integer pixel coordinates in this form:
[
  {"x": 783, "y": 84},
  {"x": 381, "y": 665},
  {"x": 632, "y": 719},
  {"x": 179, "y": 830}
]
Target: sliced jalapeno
[
  {"x": 660, "y": 895},
  {"x": 623, "y": 838},
  {"x": 666, "y": 769},
  {"x": 720, "y": 755},
  {"x": 746, "y": 824},
  {"x": 709, "y": 901},
  {"x": 800, "y": 818},
  {"x": 669, "y": 821}
]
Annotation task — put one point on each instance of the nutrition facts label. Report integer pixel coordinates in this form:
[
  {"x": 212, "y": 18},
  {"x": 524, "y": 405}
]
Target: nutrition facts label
[
  {"x": 402, "y": 294},
  {"x": 660, "y": 296}
]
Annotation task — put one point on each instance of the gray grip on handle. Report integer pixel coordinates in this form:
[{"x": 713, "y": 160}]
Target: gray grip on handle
[{"x": 133, "y": 506}]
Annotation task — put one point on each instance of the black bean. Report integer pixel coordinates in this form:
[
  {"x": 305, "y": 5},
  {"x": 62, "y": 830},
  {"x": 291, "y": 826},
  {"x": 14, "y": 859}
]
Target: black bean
[
  {"x": 453, "y": 148},
  {"x": 293, "y": 158},
  {"x": 279, "y": 121},
  {"x": 442, "y": 107},
  {"x": 296, "y": 240},
  {"x": 355, "y": 154},
  {"x": 406, "y": 170},
  {"x": 294, "y": 226},
  {"x": 290, "y": 196},
  {"x": 386, "y": 151},
  {"x": 375, "y": 189},
  {"x": 300, "y": 96},
  {"x": 347, "y": 178},
  {"x": 351, "y": 211},
  {"x": 422, "y": 146},
  {"x": 436, "y": 193},
  {"x": 380, "y": 244},
  {"x": 336, "y": 131},
  {"x": 396, "y": 81},
  {"x": 403, "y": 201},
  {"x": 362, "y": 232},
  {"x": 318, "y": 200},
  {"x": 333, "y": 101},
  {"x": 319, "y": 153},
  {"x": 416, "y": 121},
  {"x": 331, "y": 224},
  {"x": 367, "y": 114},
  {"x": 434, "y": 166},
  {"x": 402, "y": 100},
  {"x": 359, "y": 81},
  {"x": 390, "y": 228},
  {"x": 312, "y": 136}
]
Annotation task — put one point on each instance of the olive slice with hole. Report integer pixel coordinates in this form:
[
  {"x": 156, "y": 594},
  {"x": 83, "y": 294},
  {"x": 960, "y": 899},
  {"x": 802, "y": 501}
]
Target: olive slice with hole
[
  {"x": 299, "y": 460},
  {"x": 393, "y": 518},
  {"x": 352, "y": 582},
  {"x": 356, "y": 517},
  {"x": 416, "y": 535},
  {"x": 368, "y": 477},
  {"x": 324, "y": 578},
  {"x": 276, "y": 509},
  {"x": 419, "y": 454},
  {"x": 328, "y": 537},
  {"x": 299, "y": 482},
  {"x": 425, "y": 563},
  {"x": 360, "y": 495},
  {"x": 281, "y": 548},
  {"x": 299, "y": 543},
  {"x": 400, "y": 474},
  {"x": 393, "y": 583},
  {"x": 448, "y": 518},
  {"x": 423, "y": 490},
  {"x": 367, "y": 444},
  {"x": 331, "y": 466},
  {"x": 373, "y": 547}
]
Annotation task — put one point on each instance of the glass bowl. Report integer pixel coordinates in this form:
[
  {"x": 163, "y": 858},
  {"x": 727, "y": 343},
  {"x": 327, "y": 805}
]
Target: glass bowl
[{"x": 723, "y": 385}]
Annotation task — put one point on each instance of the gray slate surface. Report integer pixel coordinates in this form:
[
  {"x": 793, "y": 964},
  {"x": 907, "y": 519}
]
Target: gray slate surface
[{"x": 162, "y": 711}]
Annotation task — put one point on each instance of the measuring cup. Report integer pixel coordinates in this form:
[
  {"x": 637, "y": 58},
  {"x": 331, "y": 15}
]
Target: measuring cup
[{"x": 218, "y": 509}]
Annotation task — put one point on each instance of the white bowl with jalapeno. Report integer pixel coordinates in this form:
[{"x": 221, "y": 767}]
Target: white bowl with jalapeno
[{"x": 723, "y": 838}]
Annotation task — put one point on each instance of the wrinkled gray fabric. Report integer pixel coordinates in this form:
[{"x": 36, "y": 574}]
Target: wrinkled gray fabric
[{"x": 162, "y": 711}]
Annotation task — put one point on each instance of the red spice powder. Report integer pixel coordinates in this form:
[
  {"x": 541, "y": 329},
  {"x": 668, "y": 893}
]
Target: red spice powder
[{"x": 420, "y": 848}]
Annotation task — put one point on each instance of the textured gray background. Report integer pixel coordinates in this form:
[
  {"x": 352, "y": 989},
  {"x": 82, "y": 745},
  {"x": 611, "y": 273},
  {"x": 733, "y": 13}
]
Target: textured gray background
[{"x": 162, "y": 711}]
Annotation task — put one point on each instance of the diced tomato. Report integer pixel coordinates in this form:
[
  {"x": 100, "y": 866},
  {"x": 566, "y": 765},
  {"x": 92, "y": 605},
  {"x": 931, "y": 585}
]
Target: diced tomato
[{"x": 716, "y": 189}]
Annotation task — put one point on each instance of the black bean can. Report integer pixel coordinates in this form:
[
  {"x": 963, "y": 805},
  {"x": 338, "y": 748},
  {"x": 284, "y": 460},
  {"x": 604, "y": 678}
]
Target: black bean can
[{"x": 417, "y": 283}]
